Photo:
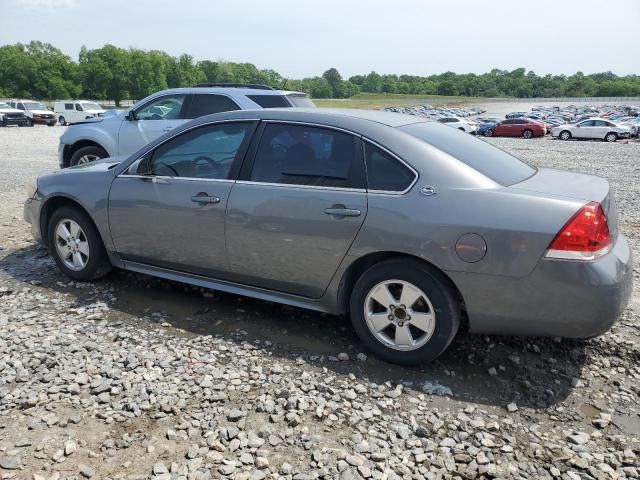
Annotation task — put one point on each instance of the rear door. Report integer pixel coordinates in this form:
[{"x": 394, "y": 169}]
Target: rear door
[
  {"x": 296, "y": 208},
  {"x": 151, "y": 120}
]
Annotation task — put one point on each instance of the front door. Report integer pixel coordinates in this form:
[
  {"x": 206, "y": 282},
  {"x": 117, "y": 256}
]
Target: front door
[
  {"x": 297, "y": 208},
  {"x": 148, "y": 122},
  {"x": 168, "y": 208},
  {"x": 585, "y": 129}
]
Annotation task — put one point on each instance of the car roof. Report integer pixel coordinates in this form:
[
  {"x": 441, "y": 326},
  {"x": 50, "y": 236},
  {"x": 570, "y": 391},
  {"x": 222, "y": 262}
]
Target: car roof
[
  {"x": 329, "y": 116},
  {"x": 226, "y": 90}
]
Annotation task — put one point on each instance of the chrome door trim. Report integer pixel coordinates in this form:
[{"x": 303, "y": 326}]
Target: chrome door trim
[
  {"x": 191, "y": 179},
  {"x": 306, "y": 187}
]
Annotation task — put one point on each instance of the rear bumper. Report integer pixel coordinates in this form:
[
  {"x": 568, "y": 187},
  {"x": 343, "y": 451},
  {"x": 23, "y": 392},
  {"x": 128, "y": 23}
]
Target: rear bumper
[{"x": 559, "y": 298}]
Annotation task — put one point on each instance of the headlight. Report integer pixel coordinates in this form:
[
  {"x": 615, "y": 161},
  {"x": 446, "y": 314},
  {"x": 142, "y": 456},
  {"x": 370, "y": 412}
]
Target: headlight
[{"x": 32, "y": 188}]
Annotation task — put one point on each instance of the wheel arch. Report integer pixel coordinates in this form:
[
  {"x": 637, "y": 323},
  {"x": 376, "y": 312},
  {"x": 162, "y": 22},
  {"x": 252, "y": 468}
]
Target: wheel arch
[
  {"x": 355, "y": 270},
  {"x": 69, "y": 150},
  {"x": 51, "y": 205}
]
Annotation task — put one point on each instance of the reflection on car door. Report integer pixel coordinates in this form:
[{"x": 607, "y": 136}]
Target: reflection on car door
[
  {"x": 168, "y": 208},
  {"x": 296, "y": 208},
  {"x": 153, "y": 119},
  {"x": 586, "y": 129}
]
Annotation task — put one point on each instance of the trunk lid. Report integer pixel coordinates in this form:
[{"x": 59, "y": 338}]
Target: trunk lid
[{"x": 577, "y": 186}]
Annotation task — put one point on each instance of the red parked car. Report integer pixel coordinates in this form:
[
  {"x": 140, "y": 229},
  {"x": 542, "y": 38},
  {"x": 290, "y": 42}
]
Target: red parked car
[{"x": 517, "y": 127}]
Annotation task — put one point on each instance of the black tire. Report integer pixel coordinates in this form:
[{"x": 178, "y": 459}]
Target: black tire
[
  {"x": 51, "y": 124},
  {"x": 91, "y": 151},
  {"x": 98, "y": 264},
  {"x": 527, "y": 134},
  {"x": 29, "y": 122},
  {"x": 62, "y": 121},
  {"x": 461, "y": 129},
  {"x": 439, "y": 292},
  {"x": 611, "y": 137},
  {"x": 565, "y": 135},
  {"x": 488, "y": 133}
]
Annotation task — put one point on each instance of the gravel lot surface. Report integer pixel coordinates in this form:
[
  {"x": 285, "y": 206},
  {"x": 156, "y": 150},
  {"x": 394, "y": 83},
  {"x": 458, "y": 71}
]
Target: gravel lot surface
[{"x": 135, "y": 377}]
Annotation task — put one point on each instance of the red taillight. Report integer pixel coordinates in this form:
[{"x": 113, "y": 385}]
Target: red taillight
[{"x": 584, "y": 237}]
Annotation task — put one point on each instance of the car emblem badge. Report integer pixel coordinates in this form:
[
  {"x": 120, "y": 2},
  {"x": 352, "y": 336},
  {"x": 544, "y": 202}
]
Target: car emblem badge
[{"x": 428, "y": 191}]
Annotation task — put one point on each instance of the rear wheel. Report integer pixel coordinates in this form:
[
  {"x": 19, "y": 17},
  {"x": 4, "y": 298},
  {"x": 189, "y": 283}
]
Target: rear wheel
[
  {"x": 29, "y": 122},
  {"x": 62, "y": 121},
  {"x": 404, "y": 311},
  {"x": 565, "y": 135},
  {"x": 527, "y": 133},
  {"x": 610, "y": 137},
  {"x": 87, "y": 154},
  {"x": 76, "y": 246}
]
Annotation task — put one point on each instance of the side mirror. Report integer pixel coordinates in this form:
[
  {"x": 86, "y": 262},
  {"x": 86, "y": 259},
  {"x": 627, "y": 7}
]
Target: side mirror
[
  {"x": 144, "y": 167},
  {"x": 131, "y": 116}
]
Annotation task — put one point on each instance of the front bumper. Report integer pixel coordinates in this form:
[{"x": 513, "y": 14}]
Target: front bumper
[
  {"x": 14, "y": 120},
  {"x": 559, "y": 298},
  {"x": 31, "y": 212},
  {"x": 44, "y": 120}
]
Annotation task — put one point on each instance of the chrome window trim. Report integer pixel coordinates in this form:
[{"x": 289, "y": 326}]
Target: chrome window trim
[
  {"x": 192, "y": 179},
  {"x": 416, "y": 175},
  {"x": 306, "y": 187},
  {"x": 309, "y": 124},
  {"x": 235, "y": 120}
]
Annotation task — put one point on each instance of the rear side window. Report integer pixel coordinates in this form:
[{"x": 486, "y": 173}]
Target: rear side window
[
  {"x": 206, "y": 104},
  {"x": 68, "y": 106},
  {"x": 270, "y": 101},
  {"x": 301, "y": 101},
  {"x": 490, "y": 161},
  {"x": 304, "y": 155},
  {"x": 384, "y": 172}
]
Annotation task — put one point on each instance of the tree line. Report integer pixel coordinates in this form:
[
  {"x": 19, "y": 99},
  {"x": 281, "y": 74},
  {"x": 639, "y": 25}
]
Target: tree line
[{"x": 39, "y": 70}]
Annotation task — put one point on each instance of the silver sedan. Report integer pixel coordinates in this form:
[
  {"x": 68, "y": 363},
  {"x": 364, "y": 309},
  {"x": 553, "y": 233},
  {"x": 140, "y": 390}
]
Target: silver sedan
[
  {"x": 404, "y": 224},
  {"x": 592, "y": 129}
]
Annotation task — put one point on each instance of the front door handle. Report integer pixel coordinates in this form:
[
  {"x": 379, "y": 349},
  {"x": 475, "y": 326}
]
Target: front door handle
[
  {"x": 342, "y": 211},
  {"x": 204, "y": 198}
]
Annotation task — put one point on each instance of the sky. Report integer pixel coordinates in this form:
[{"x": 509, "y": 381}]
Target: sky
[{"x": 304, "y": 38}]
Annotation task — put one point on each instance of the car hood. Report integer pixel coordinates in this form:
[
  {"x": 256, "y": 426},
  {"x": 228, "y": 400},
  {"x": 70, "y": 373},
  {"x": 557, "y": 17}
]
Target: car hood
[
  {"x": 102, "y": 165},
  {"x": 88, "y": 120},
  {"x": 41, "y": 112},
  {"x": 10, "y": 110}
]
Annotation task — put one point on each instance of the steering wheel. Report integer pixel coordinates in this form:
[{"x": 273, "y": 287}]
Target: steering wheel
[
  {"x": 155, "y": 116},
  {"x": 167, "y": 166},
  {"x": 213, "y": 168}
]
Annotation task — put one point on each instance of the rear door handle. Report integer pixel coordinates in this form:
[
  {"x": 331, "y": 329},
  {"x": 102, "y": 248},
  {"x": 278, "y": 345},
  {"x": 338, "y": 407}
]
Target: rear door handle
[
  {"x": 342, "y": 211},
  {"x": 203, "y": 198}
]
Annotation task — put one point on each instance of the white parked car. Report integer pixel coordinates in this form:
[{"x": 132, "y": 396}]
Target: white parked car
[
  {"x": 460, "y": 124},
  {"x": 36, "y": 112},
  {"x": 11, "y": 116},
  {"x": 71, "y": 111},
  {"x": 591, "y": 128}
]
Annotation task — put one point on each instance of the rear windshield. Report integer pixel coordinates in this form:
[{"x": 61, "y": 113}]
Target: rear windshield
[
  {"x": 301, "y": 101},
  {"x": 492, "y": 162},
  {"x": 270, "y": 101}
]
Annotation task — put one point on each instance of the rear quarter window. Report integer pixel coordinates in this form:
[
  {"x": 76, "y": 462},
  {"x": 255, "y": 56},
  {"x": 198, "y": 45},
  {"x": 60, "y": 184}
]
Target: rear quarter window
[
  {"x": 490, "y": 161},
  {"x": 270, "y": 101}
]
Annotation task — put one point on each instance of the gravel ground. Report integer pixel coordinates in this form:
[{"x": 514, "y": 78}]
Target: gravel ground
[{"x": 135, "y": 377}]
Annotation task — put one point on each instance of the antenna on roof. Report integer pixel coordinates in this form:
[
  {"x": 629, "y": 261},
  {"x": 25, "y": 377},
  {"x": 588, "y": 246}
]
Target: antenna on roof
[{"x": 284, "y": 84}]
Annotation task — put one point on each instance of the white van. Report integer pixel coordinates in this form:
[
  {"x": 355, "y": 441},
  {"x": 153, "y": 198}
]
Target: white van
[{"x": 71, "y": 111}]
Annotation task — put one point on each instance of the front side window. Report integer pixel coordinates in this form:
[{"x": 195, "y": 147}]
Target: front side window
[
  {"x": 384, "y": 172},
  {"x": 206, "y": 104},
  {"x": 79, "y": 107},
  {"x": 588, "y": 123},
  {"x": 167, "y": 107},
  {"x": 305, "y": 155},
  {"x": 206, "y": 152}
]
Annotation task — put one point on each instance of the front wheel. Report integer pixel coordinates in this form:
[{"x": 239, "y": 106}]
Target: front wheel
[
  {"x": 488, "y": 133},
  {"x": 527, "y": 134},
  {"x": 610, "y": 137},
  {"x": 29, "y": 122},
  {"x": 76, "y": 246},
  {"x": 404, "y": 311},
  {"x": 87, "y": 154}
]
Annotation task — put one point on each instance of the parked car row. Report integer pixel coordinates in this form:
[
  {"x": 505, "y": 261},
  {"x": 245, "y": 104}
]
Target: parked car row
[{"x": 434, "y": 113}]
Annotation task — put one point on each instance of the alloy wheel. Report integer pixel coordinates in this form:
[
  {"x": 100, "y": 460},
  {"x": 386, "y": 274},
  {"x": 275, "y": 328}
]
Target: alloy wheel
[
  {"x": 72, "y": 244},
  {"x": 87, "y": 159},
  {"x": 399, "y": 315}
]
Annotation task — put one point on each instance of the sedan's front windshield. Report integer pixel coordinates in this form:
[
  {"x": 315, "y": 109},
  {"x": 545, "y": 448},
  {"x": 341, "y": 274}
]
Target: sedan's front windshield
[{"x": 34, "y": 106}]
